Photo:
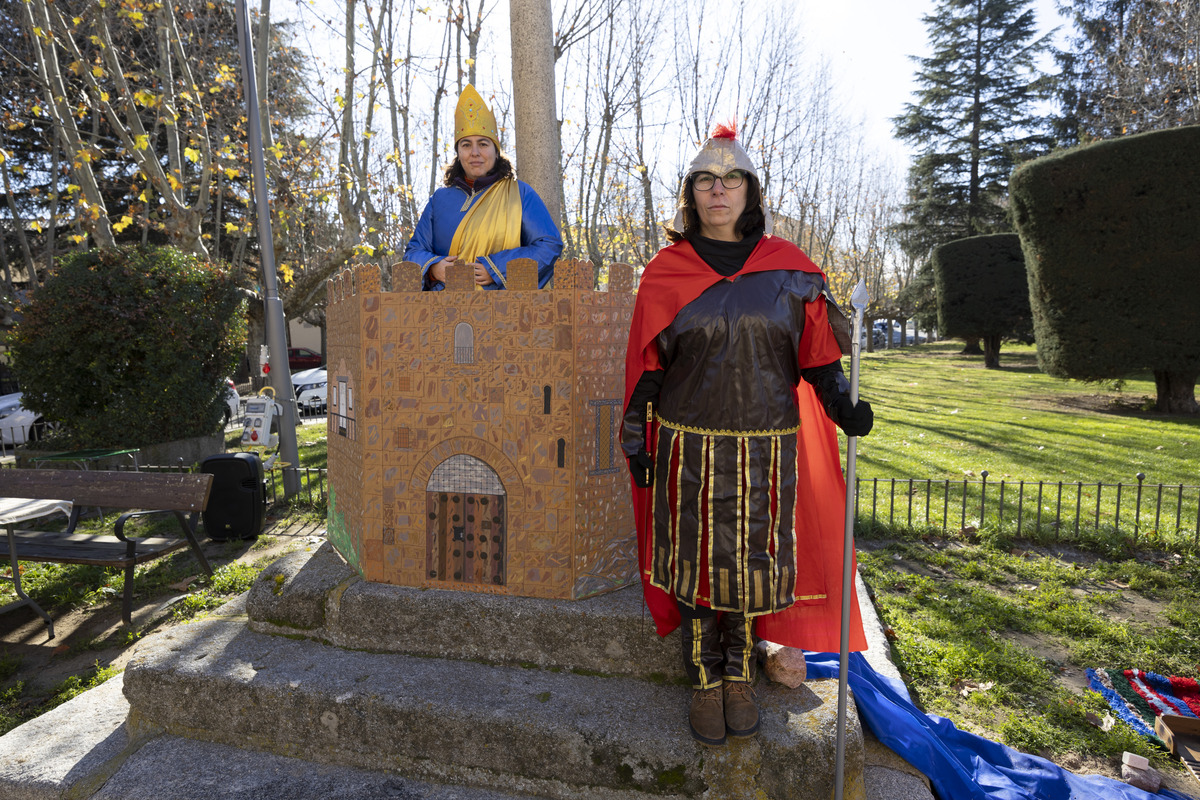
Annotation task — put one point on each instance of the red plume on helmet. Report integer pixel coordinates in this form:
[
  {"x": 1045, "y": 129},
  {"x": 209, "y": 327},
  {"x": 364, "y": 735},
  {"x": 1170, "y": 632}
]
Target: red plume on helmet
[{"x": 725, "y": 130}]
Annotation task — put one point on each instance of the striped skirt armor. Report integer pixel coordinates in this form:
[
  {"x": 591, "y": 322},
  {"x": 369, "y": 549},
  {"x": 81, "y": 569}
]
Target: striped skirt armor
[{"x": 724, "y": 518}]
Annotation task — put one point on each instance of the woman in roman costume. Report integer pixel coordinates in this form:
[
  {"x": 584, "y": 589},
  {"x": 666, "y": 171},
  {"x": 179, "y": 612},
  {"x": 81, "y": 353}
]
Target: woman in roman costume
[
  {"x": 738, "y": 491},
  {"x": 483, "y": 215}
]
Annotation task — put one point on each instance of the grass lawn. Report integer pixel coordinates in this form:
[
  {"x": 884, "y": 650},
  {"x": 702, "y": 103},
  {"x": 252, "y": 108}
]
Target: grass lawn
[
  {"x": 997, "y": 633},
  {"x": 941, "y": 415}
]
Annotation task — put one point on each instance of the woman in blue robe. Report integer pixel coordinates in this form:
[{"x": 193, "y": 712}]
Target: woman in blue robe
[{"x": 483, "y": 216}]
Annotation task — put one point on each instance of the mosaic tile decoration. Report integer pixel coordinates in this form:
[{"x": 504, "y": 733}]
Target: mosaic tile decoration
[{"x": 476, "y": 447}]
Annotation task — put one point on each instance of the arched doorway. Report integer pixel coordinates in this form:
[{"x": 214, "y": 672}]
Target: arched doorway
[{"x": 465, "y": 534}]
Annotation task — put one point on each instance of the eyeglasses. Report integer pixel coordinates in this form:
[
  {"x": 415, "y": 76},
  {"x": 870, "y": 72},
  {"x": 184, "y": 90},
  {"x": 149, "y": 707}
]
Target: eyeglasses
[{"x": 730, "y": 180}]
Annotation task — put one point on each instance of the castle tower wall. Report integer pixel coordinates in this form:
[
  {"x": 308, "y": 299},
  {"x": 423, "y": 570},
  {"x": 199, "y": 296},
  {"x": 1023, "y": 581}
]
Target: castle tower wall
[{"x": 483, "y": 452}]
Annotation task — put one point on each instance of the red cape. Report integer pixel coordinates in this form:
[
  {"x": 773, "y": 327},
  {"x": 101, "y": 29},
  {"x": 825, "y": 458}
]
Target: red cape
[{"x": 674, "y": 278}]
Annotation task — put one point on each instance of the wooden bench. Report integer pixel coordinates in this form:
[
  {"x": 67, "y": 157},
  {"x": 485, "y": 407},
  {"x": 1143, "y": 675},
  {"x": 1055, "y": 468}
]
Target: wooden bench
[{"x": 153, "y": 493}]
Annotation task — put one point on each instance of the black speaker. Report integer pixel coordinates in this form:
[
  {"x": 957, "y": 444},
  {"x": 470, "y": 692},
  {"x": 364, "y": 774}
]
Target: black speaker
[{"x": 238, "y": 497}]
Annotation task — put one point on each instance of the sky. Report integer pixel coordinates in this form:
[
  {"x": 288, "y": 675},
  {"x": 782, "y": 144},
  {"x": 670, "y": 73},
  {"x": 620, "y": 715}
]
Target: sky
[{"x": 868, "y": 43}]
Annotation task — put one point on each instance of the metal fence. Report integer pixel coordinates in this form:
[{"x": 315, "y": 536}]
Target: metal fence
[
  {"x": 1168, "y": 513},
  {"x": 313, "y": 482}
]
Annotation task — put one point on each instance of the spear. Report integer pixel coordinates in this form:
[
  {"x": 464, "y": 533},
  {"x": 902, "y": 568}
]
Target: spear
[{"x": 858, "y": 301}]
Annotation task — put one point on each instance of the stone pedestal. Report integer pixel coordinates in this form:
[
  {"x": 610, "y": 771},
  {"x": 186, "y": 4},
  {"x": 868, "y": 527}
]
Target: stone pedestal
[{"x": 541, "y": 697}]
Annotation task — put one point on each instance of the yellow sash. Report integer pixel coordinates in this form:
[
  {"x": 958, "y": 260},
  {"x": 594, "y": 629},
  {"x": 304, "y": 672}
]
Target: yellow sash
[{"x": 493, "y": 223}]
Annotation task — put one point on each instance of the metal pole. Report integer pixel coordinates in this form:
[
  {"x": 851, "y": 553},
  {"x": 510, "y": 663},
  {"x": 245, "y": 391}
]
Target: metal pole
[
  {"x": 858, "y": 301},
  {"x": 275, "y": 324}
]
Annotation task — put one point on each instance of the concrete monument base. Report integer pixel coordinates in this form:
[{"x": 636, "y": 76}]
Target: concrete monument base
[{"x": 331, "y": 686}]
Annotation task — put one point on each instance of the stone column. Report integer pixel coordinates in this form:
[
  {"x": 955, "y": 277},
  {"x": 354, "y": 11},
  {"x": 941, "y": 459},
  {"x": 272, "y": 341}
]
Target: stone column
[{"x": 538, "y": 151}]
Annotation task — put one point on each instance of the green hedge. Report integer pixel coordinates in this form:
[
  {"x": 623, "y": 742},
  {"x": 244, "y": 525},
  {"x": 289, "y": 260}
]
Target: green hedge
[
  {"x": 981, "y": 287},
  {"x": 1111, "y": 233},
  {"x": 130, "y": 347}
]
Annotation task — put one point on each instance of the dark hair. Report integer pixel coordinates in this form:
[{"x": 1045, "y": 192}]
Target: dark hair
[
  {"x": 503, "y": 168},
  {"x": 751, "y": 221}
]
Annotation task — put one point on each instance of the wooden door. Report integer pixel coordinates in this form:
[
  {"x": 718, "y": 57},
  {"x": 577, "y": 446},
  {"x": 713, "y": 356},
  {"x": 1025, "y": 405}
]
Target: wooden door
[{"x": 465, "y": 538}]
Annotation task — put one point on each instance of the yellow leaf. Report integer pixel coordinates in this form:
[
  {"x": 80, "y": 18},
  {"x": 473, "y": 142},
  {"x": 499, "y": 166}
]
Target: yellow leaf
[
  {"x": 85, "y": 155},
  {"x": 37, "y": 226},
  {"x": 72, "y": 188},
  {"x": 76, "y": 20},
  {"x": 143, "y": 197},
  {"x": 18, "y": 169},
  {"x": 104, "y": 97},
  {"x": 231, "y": 173},
  {"x": 122, "y": 224},
  {"x": 141, "y": 141},
  {"x": 230, "y": 227},
  {"x": 192, "y": 154},
  {"x": 145, "y": 98},
  {"x": 37, "y": 110},
  {"x": 78, "y": 237},
  {"x": 3, "y": 155},
  {"x": 175, "y": 184},
  {"x": 98, "y": 71},
  {"x": 76, "y": 67}
]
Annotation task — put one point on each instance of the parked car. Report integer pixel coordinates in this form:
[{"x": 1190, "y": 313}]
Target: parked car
[
  {"x": 303, "y": 358},
  {"x": 18, "y": 424},
  {"x": 310, "y": 389}
]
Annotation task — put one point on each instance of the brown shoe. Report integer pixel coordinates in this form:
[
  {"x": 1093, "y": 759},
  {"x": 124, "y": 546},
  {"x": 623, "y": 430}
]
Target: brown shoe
[
  {"x": 707, "y": 716},
  {"x": 741, "y": 712}
]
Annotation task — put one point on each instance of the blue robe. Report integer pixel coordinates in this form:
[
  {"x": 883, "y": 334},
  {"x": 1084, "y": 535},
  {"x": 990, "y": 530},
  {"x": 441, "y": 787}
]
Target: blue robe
[{"x": 431, "y": 240}]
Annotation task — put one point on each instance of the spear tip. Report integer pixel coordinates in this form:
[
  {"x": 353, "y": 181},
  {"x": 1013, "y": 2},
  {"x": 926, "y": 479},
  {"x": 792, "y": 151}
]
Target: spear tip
[{"x": 859, "y": 299}]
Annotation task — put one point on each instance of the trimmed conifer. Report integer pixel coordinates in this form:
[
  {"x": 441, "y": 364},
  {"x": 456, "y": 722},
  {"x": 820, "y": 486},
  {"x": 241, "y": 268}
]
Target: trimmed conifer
[{"x": 1110, "y": 234}]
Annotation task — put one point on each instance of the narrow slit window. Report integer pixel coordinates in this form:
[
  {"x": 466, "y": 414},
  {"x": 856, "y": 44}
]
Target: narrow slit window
[{"x": 608, "y": 425}]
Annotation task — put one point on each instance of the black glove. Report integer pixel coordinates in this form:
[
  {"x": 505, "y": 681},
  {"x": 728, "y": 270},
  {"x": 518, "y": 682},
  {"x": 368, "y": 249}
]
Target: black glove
[
  {"x": 641, "y": 467},
  {"x": 854, "y": 420}
]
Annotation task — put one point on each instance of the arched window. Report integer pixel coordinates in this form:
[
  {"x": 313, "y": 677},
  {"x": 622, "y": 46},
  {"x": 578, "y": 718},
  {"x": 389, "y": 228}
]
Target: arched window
[
  {"x": 545, "y": 399},
  {"x": 464, "y": 343},
  {"x": 562, "y": 452}
]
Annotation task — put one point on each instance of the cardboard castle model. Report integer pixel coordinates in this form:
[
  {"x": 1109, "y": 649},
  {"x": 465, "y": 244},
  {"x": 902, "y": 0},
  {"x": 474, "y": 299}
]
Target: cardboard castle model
[{"x": 474, "y": 435}]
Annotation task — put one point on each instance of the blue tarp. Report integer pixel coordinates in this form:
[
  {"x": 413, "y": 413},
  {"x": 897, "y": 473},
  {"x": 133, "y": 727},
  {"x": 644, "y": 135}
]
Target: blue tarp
[{"x": 961, "y": 765}]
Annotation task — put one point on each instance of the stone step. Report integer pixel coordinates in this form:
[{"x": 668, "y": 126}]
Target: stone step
[
  {"x": 318, "y": 596},
  {"x": 544, "y": 732},
  {"x": 173, "y": 768}
]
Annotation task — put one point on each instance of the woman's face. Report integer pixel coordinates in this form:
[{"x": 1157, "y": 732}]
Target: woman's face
[
  {"x": 720, "y": 209},
  {"x": 477, "y": 155}
]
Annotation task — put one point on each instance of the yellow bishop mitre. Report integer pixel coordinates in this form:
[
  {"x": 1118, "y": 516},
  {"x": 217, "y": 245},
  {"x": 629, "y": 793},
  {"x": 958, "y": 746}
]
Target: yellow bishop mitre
[{"x": 472, "y": 117}]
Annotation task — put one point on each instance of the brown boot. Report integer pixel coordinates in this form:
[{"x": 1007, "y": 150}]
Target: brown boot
[
  {"x": 707, "y": 716},
  {"x": 741, "y": 712}
]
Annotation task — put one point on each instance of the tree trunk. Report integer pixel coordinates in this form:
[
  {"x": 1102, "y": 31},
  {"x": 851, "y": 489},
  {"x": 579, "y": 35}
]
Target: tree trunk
[
  {"x": 971, "y": 348},
  {"x": 1176, "y": 391},
  {"x": 991, "y": 352}
]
